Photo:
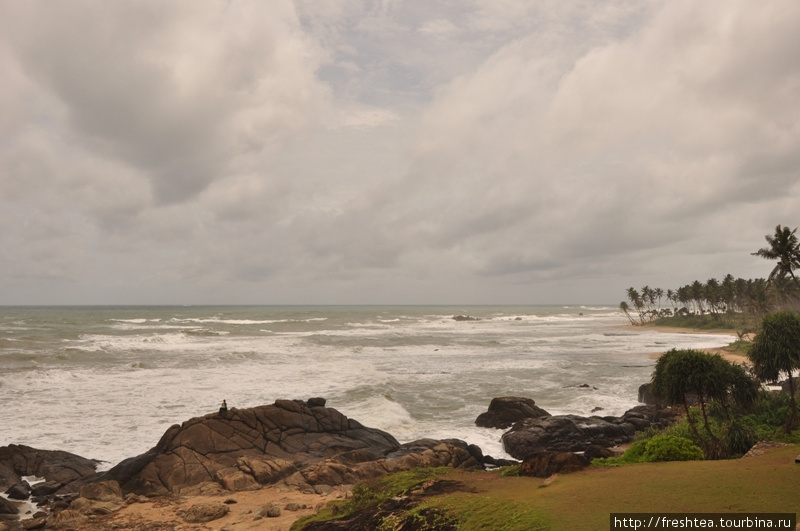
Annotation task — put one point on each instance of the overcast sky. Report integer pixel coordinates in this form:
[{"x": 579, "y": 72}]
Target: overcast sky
[{"x": 391, "y": 151}]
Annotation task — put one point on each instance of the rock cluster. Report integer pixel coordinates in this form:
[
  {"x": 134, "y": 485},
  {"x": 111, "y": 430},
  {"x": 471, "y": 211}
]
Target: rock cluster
[
  {"x": 60, "y": 470},
  {"x": 505, "y": 411},
  {"x": 537, "y": 431},
  {"x": 300, "y": 444}
]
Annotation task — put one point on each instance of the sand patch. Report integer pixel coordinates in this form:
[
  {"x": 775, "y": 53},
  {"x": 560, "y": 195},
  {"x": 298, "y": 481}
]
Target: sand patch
[{"x": 162, "y": 513}]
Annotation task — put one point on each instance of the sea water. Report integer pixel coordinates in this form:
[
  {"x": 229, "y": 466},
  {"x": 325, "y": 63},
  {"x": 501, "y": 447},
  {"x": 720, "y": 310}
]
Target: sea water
[{"x": 106, "y": 382}]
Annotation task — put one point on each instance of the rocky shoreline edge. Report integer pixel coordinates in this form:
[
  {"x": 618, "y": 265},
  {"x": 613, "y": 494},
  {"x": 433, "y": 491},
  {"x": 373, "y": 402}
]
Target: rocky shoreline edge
[{"x": 283, "y": 451}]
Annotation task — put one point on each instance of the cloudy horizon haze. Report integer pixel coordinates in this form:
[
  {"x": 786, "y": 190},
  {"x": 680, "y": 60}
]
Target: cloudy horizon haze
[{"x": 391, "y": 151}]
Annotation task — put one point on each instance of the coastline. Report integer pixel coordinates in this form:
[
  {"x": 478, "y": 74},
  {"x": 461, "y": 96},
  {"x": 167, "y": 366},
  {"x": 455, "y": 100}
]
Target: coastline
[{"x": 733, "y": 357}]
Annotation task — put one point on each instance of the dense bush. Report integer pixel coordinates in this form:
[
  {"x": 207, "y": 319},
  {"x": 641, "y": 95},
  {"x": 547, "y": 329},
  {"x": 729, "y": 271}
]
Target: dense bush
[
  {"x": 671, "y": 448},
  {"x": 657, "y": 448},
  {"x": 739, "y": 438}
]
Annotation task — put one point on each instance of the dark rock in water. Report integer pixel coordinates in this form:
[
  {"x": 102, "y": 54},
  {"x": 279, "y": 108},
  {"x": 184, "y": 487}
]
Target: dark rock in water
[
  {"x": 545, "y": 464},
  {"x": 46, "y": 489},
  {"x": 20, "y": 491},
  {"x": 572, "y": 433},
  {"x": 465, "y": 318},
  {"x": 596, "y": 409},
  {"x": 505, "y": 411},
  {"x": 563, "y": 433},
  {"x": 290, "y": 442},
  {"x": 518, "y": 319},
  {"x": 6, "y": 507},
  {"x": 60, "y": 469},
  {"x": 647, "y": 396}
]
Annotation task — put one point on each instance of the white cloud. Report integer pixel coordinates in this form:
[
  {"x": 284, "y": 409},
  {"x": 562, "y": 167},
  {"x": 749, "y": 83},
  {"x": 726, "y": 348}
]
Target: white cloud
[
  {"x": 391, "y": 151},
  {"x": 175, "y": 89}
]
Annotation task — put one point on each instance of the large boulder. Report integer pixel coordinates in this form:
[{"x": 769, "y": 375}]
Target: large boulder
[
  {"x": 545, "y": 464},
  {"x": 647, "y": 396},
  {"x": 60, "y": 469},
  {"x": 298, "y": 443},
  {"x": 506, "y": 410},
  {"x": 573, "y": 433},
  {"x": 563, "y": 433}
]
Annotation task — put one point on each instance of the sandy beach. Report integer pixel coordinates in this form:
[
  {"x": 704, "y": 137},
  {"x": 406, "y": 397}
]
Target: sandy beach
[
  {"x": 163, "y": 513},
  {"x": 733, "y": 357}
]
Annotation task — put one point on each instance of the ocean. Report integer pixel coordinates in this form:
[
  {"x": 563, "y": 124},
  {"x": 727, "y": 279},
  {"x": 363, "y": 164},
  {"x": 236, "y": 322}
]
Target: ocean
[{"x": 106, "y": 382}]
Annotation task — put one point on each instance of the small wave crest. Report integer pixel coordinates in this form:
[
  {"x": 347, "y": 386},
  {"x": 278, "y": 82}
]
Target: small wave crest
[{"x": 382, "y": 412}]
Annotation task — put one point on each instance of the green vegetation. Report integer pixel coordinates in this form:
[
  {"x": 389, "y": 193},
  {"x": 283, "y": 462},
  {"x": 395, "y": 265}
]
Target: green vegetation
[
  {"x": 478, "y": 513},
  {"x": 375, "y": 492},
  {"x": 655, "y": 449},
  {"x": 681, "y": 375},
  {"x": 583, "y": 501},
  {"x": 776, "y": 351}
]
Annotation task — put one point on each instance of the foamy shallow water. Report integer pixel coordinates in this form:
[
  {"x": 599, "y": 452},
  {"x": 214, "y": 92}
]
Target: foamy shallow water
[{"x": 106, "y": 383}]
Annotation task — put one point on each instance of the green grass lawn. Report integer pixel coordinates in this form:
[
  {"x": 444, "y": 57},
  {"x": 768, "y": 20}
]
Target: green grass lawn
[{"x": 584, "y": 500}]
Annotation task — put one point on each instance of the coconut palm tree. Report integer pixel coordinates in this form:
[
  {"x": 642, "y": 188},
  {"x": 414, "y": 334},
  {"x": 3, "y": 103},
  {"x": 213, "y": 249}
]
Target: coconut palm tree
[
  {"x": 626, "y": 309},
  {"x": 783, "y": 247}
]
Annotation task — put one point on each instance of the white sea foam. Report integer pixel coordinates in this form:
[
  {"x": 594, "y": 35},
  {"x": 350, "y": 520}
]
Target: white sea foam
[{"x": 111, "y": 382}]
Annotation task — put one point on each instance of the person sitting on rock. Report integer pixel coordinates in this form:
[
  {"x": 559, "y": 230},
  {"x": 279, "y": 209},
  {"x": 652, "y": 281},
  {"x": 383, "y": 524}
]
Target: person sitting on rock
[{"x": 223, "y": 408}]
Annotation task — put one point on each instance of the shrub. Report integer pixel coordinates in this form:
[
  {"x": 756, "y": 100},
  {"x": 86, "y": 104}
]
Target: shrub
[
  {"x": 671, "y": 448},
  {"x": 739, "y": 438}
]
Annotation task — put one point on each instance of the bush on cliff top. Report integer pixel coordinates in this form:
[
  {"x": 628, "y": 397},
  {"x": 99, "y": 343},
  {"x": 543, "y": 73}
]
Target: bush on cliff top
[{"x": 657, "y": 448}]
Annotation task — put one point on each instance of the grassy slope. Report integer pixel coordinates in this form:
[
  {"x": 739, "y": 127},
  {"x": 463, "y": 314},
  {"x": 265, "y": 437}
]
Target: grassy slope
[{"x": 584, "y": 500}]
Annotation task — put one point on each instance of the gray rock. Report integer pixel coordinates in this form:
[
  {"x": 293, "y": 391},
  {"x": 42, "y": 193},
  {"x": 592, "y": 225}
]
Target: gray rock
[
  {"x": 504, "y": 411},
  {"x": 573, "y": 433}
]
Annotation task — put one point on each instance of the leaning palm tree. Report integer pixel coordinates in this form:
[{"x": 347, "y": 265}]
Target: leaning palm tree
[
  {"x": 626, "y": 310},
  {"x": 776, "y": 351},
  {"x": 783, "y": 247}
]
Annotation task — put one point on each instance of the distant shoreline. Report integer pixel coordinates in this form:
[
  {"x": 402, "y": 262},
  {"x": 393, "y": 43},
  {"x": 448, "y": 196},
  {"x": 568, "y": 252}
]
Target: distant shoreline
[{"x": 733, "y": 357}]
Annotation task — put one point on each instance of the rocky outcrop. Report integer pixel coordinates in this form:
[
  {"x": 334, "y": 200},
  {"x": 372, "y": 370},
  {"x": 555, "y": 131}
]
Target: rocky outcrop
[
  {"x": 60, "y": 469},
  {"x": 505, "y": 411},
  {"x": 103, "y": 497},
  {"x": 572, "y": 433},
  {"x": 301, "y": 444},
  {"x": 545, "y": 464}
]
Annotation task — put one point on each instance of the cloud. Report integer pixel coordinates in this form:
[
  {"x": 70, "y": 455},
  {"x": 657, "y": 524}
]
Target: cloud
[
  {"x": 177, "y": 90},
  {"x": 376, "y": 151},
  {"x": 643, "y": 138}
]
